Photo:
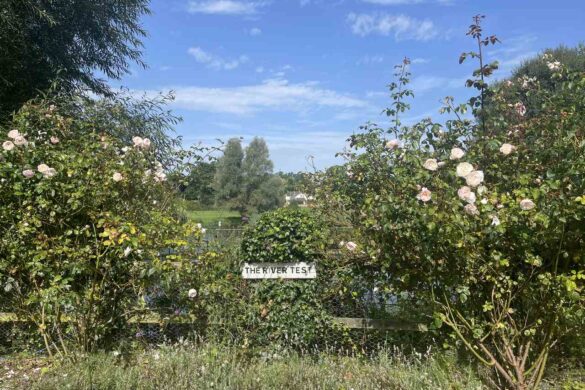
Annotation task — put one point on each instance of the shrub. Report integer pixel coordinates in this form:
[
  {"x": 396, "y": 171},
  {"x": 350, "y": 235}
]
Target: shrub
[
  {"x": 285, "y": 235},
  {"x": 84, "y": 218},
  {"x": 481, "y": 218},
  {"x": 287, "y": 313}
]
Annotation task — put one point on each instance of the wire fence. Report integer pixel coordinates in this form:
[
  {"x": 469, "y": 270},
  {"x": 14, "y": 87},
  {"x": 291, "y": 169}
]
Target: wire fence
[
  {"x": 360, "y": 328},
  {"x": 365, "y": 324}
]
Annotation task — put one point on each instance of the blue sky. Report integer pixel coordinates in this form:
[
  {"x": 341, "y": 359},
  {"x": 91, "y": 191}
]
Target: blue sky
[{"x": 304, "y": 74}]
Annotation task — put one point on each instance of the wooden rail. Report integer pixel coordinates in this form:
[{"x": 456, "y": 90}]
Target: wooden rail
[{"x": 349, "y": 322}]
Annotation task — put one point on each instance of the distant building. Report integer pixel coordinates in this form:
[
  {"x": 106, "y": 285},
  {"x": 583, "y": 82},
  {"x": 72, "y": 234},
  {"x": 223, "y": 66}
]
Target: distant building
[{"x": 299, "y": 198}]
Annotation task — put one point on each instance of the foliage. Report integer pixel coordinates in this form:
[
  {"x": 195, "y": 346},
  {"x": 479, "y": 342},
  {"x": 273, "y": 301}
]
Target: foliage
[
  {"x": 210, "y": 366},
  {"x": 124, "y": 117},
  {"x": 256, "y": 166},
  {"x": 269, "y": 195},
  {"x": 538, "y": 72},
  {"x": 290, "y": 313},
  {"x": 573, "y": 58},
  {"x": 295, "y": 181},
  {"x": 84, "y": 219},
  {"x": 228, "y": 176},
  {"x": 481, "y": 218},
  {"x": 199, "y": 185},
  {"x": 244, "y": 179},
  {"x": 284, "y": 235},
  {"x": 262, "y": 191},
  {"x": 68, "y": 40}
]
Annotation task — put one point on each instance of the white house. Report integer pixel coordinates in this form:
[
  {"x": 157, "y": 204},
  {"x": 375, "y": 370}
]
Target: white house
[{"x": 297, "y": 197}]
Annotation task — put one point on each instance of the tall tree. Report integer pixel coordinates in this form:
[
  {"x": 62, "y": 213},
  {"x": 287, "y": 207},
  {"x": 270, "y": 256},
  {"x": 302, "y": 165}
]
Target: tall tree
[
  {"x": 228, "y": 177},
  {"x": 200, "y": 184},
  {"x": 69, "y": 40},
  {"x": 269, "y": 195},
  {"x": 256, "y": 167}
]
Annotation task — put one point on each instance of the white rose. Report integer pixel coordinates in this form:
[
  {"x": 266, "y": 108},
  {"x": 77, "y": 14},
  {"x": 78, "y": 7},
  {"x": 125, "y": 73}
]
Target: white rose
[
  {"x": 28, "y": 173},
  {"x": 137, "y": 141},
  {"x": 49, "y": 173},
  {"x": 474, "y": 178},
  {"x": 13, "y": 134},
  {"x": 351, "y": 246},
  {"x": 456, "y": 154},
  {"x": 520, "y": 108},
  {"x": 431, "y": 164},
  {"x": 146, "y": 143},
  {"x": 424, "y": 194},
  {"x": 527, "y": 204},
  {"x": 464, "y": 169},
  {"x": 466, "y": 194},
  {"x": 8, "y": 146},
  {"x": 556, "y": 65},
  {"x": 192, "y": 293},
  {"x": 20, "y": 141},
  {"x": 471, "y": 209},
  {"x": 54, "y": 140},
  {"x": 392, "y": 144},
  {"x": 160, "y": 176},
  {"x": 484, "y": 201},
  {"x": 42, "y": 168},
  {"x": 495, "y": 220},
  {"x": 506, "y": 149},
  {"x": 127, "y": 251},
  {"x": 117, "y": 176}
]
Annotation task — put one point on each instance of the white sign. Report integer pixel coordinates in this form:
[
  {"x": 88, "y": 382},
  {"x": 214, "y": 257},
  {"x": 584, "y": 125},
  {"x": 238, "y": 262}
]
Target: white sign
[{"x": 279, "y": 271}]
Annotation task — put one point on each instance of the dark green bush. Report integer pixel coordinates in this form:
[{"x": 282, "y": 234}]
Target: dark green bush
[{"x": 284, "y": 235}]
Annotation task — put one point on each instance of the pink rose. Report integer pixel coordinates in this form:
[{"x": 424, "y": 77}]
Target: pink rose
[{"x": 424, "y": 195}]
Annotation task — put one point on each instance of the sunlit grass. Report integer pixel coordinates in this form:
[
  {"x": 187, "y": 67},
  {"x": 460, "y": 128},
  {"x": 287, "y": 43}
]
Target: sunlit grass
[
  {"x": 211, "y": 218},
  {"x": 208, "y": 367}
]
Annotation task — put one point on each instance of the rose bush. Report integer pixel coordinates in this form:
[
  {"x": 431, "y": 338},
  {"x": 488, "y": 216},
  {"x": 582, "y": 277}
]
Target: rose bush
[
  {"x": 84, "y": 220},
  {"x": 482, "y": 218}
]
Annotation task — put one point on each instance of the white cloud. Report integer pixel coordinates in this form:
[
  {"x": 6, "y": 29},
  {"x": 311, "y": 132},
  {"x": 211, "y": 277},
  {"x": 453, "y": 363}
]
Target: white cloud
[
  {"x": 255, "y": 31},
  {"x": 260, "y": 69},
  {"x": 377, "y": 94},
  {"x": 369, "y": 60},
  {"x": 513, "y": 52},
  {"x": 424, "y": 84},
  {"x": 272, "y": 94},
  {"x": 215, "y": 62},
  {"x": 225, "y": 7},
  {"x": 419, "y": 61},
  {"x": 401, "y": 26}
]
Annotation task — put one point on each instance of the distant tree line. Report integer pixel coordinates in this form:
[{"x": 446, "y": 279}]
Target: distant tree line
[{"x": 242, "y": 179}]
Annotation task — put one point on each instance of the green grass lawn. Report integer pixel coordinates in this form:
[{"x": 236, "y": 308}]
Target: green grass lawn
[{"x": 211, "y": 218}]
